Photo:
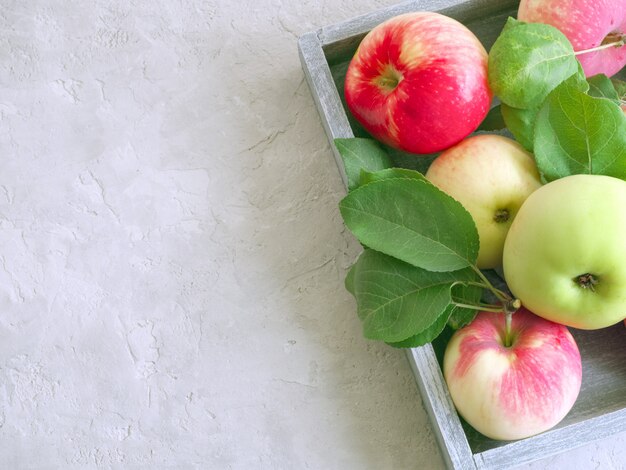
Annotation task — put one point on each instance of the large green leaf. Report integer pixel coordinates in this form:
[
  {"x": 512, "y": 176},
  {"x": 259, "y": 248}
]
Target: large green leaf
[
  {"x": 361, "y": 154},
  {"x": 527, "y": 61},
  {"x": 369, "y": 177},
  {"x": 454, "y": 316},
  {"x": 413, "y": 221},
  {"x": 521, "y": 123},
  {"x": 579, "y": 134},
  {"x": 429, "y": 334},
  {"x": 396, "y": 300}
]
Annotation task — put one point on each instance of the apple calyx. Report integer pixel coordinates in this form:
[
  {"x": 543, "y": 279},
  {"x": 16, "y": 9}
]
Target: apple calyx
[
  {"x": 389, "y": 79},
  {"x": 501, "y": 216},
  {"x": 587, "y": 281}
]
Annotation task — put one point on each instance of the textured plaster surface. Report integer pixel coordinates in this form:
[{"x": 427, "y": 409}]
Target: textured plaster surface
[{"x": 172, "y": 256}]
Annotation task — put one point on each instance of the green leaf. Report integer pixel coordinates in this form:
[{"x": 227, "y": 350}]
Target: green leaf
[
  {"x": 620, "y": 87},
  {"x": 464, "y": 294},
  {"x": 361, "y": 154},
  {"x": 367, "y": 177},
  {"x": 429, "y": 334},
  {"x": 601, "y": 86},
  {"x": 521, "y": 123},
  {"x": 461, "y": 317},
  {"x": 527, "y": 61},
  {"x": 453, "y": 316},
  {"x": 349, "y": 282},
  {"x": 578, "y": 134},
  {"x": 413, "y": 221},
  {"x": 396, "y": 301},
  {"x": 493, "y": 121},
  {"x": 578, "y": 80},
  {"x": 410, "y": 160}
]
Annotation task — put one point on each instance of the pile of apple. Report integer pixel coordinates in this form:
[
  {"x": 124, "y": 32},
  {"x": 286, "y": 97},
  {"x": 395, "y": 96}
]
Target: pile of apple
[{"x": 545, "y": 209}]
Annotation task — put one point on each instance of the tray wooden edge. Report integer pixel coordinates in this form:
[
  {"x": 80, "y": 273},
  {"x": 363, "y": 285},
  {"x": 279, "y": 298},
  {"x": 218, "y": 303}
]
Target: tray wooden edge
[
  {"x": 447, "y": 427},
  {"x": 553, "y": 442},
  {"x": 325, "y": 94}
]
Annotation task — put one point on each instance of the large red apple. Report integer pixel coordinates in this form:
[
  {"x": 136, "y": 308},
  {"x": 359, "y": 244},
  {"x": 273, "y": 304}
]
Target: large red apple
[
  {"x": 418, "y": 82},
  {"x": 512, "y": 392},
  {"x": 587, "y": 24}
]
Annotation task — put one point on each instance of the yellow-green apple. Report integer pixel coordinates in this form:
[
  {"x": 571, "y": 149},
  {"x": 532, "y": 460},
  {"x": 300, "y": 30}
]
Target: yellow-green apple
[
  {"x": 587, "y": 24},
  {"x": 491, "y": 176},
  {"x": 517, "y": 390},
  {"x": 418, "y": 82},
  {"x": 565, "y": 254}
]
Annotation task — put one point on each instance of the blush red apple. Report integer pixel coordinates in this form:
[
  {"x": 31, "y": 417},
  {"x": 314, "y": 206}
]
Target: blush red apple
[
  {"x": 587, "y": 24},
  {"x": 491, "y": 176},
  {"x": 513, "y": 392},
  {"x": 418, "y": 82}
]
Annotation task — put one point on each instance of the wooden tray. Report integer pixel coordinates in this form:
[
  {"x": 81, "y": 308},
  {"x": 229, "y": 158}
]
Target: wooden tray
[{"x": 600, "y": 410}]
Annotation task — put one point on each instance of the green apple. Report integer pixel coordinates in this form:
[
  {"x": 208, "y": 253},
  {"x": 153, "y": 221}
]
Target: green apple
[
  {"x": 491, "y": 176},
  {"x": 565, "y": 254}
]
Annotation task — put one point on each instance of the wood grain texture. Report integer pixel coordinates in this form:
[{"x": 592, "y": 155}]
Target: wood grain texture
[
  {"x": 438, "y": 403},
  {"x": 600, "y": 410},
  {"x": 326, "y": 96}
]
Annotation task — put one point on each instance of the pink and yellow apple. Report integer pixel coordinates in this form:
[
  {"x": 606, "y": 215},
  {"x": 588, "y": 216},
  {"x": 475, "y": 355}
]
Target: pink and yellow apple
[
  {"x": 512, "y": 392},
  {"x": 587, "y": 24},
  {"x": 418, "y": 82},
  {"x": 491, "y": 176}
]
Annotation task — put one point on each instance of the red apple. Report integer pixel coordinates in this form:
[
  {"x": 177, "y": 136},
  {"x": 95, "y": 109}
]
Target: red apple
[
  {"x": 587, "y": 24},
  {"x": 491, "y": 176},
  {"x": 517, "y": 391},
  {"x": 418, "y": 82}
]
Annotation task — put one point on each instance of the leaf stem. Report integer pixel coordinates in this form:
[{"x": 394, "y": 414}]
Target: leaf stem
[
  {"x": 502, "y": 296},
  {"x": 470, "y": 283},
  {"x": 621, "y": 41},
  {"x": 486, "y": 308}
]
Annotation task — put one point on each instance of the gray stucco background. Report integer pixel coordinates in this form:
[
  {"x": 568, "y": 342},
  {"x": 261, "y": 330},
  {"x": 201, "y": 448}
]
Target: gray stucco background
[{"x": 172, "y": 261}]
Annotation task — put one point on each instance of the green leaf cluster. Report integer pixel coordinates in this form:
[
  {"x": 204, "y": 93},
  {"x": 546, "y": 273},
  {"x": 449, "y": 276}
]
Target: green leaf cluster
[
  {"x": 417, "y": 273},
  {"x": 572, "y": 124},
  {"x": 418, "y": 268}
]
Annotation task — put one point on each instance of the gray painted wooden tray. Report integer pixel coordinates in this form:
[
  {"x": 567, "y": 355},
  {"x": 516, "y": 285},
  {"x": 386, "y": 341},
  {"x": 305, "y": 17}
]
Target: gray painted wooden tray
[{"x": 600, "y": 410}]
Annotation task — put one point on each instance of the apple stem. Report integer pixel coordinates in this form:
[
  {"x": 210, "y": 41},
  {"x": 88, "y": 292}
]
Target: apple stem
[
  {"x": 509, "y": 309},
  {"x": 618, "y": 42},
  {"x": 508, "y": 319}
]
